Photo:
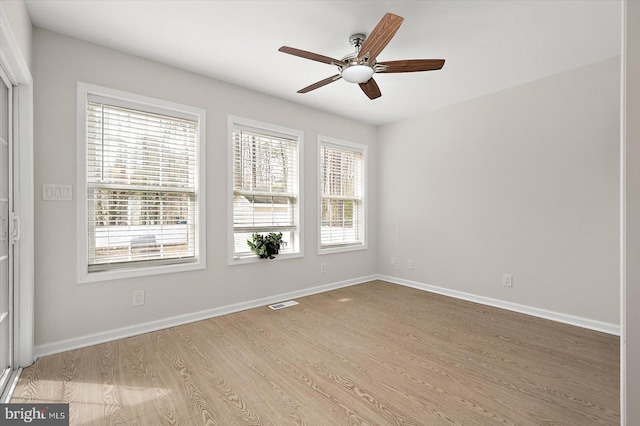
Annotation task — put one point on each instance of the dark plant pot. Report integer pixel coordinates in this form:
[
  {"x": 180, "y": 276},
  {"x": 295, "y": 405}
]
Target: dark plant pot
[{"x": 272, "y": 250}]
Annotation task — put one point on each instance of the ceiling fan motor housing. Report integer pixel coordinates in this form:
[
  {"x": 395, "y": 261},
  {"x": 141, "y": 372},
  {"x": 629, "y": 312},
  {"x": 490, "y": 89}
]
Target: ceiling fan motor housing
[{"x": 356, "y": 70}]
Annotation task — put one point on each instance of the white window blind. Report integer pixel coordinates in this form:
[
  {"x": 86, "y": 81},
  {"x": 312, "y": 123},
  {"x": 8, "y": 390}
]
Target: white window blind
[
  {"x": 141, "y": 187},
  {"x": 265, "y": 186},
  {"x": 341, "y": 196}
]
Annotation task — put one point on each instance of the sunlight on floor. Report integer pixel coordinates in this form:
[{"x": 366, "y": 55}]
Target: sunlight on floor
[{"x": 91, "y": 399}]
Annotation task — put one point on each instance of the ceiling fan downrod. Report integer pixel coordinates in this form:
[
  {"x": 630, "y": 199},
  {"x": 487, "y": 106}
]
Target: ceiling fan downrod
[{"x": 356, "y": 41}]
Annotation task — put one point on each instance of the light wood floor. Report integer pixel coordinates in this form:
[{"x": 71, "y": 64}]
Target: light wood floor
[{"x": 375, "y": 353}]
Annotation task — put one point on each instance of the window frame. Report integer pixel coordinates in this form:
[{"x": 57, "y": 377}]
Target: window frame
[
  {"x": 148, "y": 104},
  {"x": 364, "y": 219},
  {"x": 275, "y": 130}
]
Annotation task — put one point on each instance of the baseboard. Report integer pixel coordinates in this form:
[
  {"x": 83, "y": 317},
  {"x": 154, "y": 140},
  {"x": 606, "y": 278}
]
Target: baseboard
[
  {"x": 94, "y": 339},
  {"x": 590, "y": 324}
]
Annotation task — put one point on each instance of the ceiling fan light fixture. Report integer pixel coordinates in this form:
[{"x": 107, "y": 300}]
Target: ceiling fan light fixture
[{"x": 357, "y": 73}]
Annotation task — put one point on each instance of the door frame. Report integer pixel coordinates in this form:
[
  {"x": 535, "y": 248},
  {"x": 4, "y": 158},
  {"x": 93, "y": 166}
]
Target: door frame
[
  {"x": 6, "y": 375},
  {"x": 16, "y": 68}
]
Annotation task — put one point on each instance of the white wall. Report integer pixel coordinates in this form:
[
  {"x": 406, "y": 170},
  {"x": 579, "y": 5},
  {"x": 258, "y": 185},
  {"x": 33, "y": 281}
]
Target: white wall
[
  {"x": 632, "y": 212},
  {"x": 523, "y": 181},
  {"x": 67, "y": 310}
]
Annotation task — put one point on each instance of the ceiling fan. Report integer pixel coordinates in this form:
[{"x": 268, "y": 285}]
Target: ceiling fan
[{"x": 359, "y": 67}]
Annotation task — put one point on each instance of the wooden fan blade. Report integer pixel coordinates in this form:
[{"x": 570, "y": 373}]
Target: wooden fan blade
[
  {"x": 371, "y": 89},
  {"x": 380, "y": 36},
  {"x": 412, "y": 65},
  {"x": 309, "y": 55},
  {"x": 321, "y": 83}
]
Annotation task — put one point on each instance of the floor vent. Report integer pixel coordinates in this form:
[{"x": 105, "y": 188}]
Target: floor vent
[{"x": 283, "y": 305}]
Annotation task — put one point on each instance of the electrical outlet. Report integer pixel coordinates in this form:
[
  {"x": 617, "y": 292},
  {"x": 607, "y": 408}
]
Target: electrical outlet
[
  {"x": 411, "y": 265},
  {"x": 138, "y": 298},
  {"x": 507, "y": 280},
  {"x": 323, "y": 268},
  {"x": 394, "y": 260}
]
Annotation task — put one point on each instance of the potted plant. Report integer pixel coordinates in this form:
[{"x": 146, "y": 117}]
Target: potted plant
[{"x": 266, "y": 246}]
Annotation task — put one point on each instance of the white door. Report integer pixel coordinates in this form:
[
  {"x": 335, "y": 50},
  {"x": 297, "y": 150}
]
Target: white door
[{"x": 6, "y": 246}]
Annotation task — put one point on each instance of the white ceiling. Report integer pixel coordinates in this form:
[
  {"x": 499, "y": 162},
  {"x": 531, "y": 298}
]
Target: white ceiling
[{"x": 488, "y": 45}]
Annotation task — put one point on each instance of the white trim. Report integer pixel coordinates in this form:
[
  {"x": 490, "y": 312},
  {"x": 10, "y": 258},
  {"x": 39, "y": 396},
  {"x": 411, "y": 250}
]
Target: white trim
[
  {"x": 341, "y": 249},
  {"x": 623, "y": 218},
  {"x": 278, "y": 131},
  {"x": 84, "y": 92},
  {"x": 15, "y": 65},
  {"x": 355, "y": 147},
  {"x": 5, "y": 398},
  {"x": 143, "y": 271},
  {"x": 341, "y": 144},
  {"x": 590, "y": 324},
  {"x": 140, "y": 103},
  {"x": 10, "y": 55},
  {"x": 244, "y": 260},
  {"x": 134, "y": 100},
  {"x": 120, "y": 333},
  {"x": 24, "y": 209},
  {"x": 11, "y": 260}
]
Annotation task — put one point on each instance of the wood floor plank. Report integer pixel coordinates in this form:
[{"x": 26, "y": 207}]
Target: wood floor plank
[{"x": 374, "y": 353}]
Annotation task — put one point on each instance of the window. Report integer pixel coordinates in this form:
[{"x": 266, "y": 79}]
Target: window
[
  {"x": 265, "y": 169},
  {"x": 140, "y": 185},
  {"x": 342, "y": 195}
]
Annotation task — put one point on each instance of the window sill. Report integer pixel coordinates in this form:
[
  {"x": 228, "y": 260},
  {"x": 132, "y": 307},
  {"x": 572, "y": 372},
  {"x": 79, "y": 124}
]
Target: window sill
[
  {"x": 342, "y": 249},
  {"x": 243, "y": 260},
  {"x": 117, "y": 274}
]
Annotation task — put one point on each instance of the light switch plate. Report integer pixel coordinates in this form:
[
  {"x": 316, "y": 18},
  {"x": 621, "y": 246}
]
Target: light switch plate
[{"x": 57, "y": 192}]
